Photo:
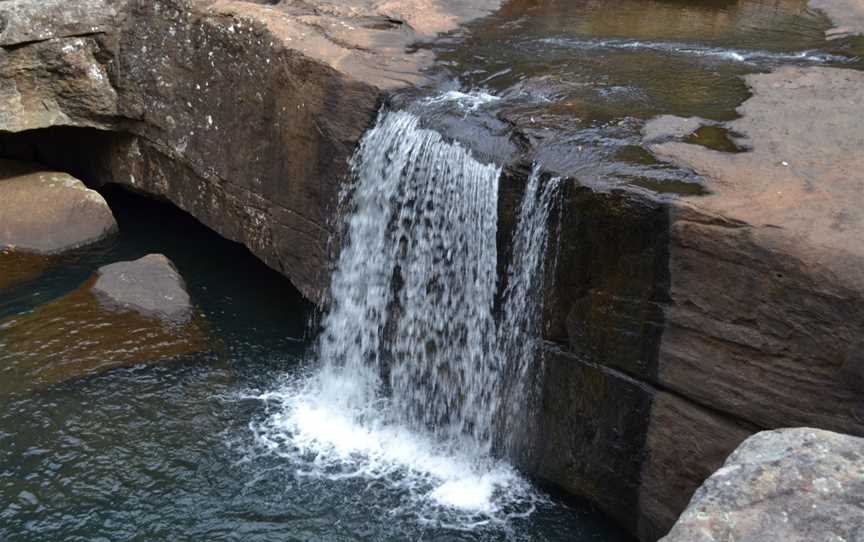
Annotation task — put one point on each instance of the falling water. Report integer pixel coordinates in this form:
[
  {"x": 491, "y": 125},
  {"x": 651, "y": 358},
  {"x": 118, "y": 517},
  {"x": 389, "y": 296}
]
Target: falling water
[
  {"x": 415, "y": 284},
  {"x": 413, "y": 370},
  {"x": 519, "y": 332}
]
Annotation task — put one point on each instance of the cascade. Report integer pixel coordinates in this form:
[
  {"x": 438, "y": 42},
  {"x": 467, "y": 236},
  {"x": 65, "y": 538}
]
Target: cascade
[{"x": 414, "y": 373}]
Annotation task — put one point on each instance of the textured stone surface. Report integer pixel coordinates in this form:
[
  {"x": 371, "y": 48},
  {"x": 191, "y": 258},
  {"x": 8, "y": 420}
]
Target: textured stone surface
[
  {"x": 767, "y": 272},
  {"x": 795, "y": 485},
  {"x": 149, "y": 285},
  {"x": 49, "y": 212},
  {"x": 243, "y": 114},
  {"x": 847, "y": 15},
  {"x": 724, "y": 314}
]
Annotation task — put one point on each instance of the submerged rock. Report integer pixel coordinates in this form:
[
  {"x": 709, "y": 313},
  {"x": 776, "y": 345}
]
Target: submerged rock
[
  {"x": 670, "y": 127},
  {"x": 46, "y": 212},
  {"x": 126, "y": 314},
  {"x": 794, "y": 485},
  {"x": 150, "y": 285},
  {"x": 17, "y": 267}
]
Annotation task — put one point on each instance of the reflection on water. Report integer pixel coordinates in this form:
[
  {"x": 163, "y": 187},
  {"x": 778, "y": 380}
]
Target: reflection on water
[{"x": 579, "y": 78}]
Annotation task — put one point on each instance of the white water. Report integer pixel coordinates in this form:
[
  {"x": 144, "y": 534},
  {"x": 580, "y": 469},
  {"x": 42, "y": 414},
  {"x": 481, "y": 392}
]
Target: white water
[
  {"x": 519, "y": 333},
  {"x": 732, "y": 55},
  {"x": 412, "y": 366}
]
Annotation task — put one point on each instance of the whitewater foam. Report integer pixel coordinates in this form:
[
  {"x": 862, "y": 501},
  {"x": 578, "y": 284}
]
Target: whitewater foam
[{"x": 697, "y": 50}]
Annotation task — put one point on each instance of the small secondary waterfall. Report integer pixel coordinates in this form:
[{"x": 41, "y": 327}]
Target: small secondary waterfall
[
  {"x": 416, "y": 380},
  {"x": 519, "y": 333}
]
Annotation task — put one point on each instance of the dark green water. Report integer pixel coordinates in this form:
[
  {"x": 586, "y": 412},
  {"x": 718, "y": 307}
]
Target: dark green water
[{"x": 171, "y": 451}]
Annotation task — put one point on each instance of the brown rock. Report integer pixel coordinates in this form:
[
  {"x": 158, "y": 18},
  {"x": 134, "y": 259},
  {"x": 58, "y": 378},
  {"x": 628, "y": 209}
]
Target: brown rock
[
  {"x": 727, "y": 313},
  {"x": 243, "y": 114},
  {"x": 77, "y": 335},
  {"x": 49, "y": 212}
]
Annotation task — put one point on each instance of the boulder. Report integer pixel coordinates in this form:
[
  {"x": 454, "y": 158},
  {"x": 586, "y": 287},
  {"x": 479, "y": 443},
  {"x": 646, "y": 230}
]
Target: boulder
[
  {"x": 795, "y": 485},
  {"x": 47, "y": 212},
  {"x": 149, "y": 285},
  {"x": 126, "y": 314}
]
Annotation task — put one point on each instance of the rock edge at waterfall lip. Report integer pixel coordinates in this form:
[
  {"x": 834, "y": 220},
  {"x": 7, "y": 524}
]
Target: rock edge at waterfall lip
[{"x": 150, "y": 285}]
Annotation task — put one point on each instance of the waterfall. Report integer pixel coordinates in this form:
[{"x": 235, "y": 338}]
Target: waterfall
[
  {"x": 415, "y": 283},
  {"x": 415, "y": 379},
  {"x": 519, "y": 333}
]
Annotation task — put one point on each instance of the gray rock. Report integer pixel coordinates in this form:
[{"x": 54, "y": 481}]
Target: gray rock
[
  {"x": 25, "y": 21},
  {"x": 670, "y": 127},
  {"x": 48, "y": 212},
  {"x": 150, "y": 285},
  {"x": 794, "y": 485}
]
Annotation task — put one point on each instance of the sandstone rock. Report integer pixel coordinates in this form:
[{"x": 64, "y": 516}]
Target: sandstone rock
[
  {"x": 709, "y": 318},
  {"x": 795, "y": 485},
  {"x": 49, "y": 212},
  {"x": 767, "y": 271},
  {"x": 77, "y": 335},
  {"x": 26, "y": 21},
  {"x": 847, "y": 15},
  {"x": 243, "y": 114},
  {"x": 670, "y": 127},
  {"x": 149, "y": 285}
]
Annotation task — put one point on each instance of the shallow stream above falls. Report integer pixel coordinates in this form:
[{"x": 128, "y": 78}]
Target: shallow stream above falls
[
  {"x": 570, "y": 84},
  {"x": 247, "y": 439}
]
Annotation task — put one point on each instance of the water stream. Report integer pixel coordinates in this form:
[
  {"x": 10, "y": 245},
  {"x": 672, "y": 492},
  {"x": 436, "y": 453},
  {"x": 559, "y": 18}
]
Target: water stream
[{"x": 418, "y": 382}]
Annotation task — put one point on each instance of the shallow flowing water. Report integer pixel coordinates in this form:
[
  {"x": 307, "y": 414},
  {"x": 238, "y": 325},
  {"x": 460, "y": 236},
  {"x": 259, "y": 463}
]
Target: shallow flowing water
[{"x": 579, "y": 78}]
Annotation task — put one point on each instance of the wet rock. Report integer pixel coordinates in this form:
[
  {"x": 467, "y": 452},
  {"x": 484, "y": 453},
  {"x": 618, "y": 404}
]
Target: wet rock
[
  {"x": 709, "y": 318},
  {"x": 288, "y": 87},
  {"x": 795, "y": 485},
  {"x": 150, "y": 285},
  {"x": 48, "y": 212},
  {"x": 670, "y": 127},
  {"x": 17, "y": 267},
  {"x": 79, "y": 335},
  {"x": 847, "y": 15},
  {"x": 767, "y": 271}
]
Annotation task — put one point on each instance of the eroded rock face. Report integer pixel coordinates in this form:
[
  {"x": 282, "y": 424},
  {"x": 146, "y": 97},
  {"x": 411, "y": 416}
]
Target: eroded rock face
[
  {"x": 711, "y": 317},
  {"x": 47, "y": 212},
  {"x": 795, "y": 485},
  {"x": 149, "y": 285},
  {"x": 243, "y": 114}
]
